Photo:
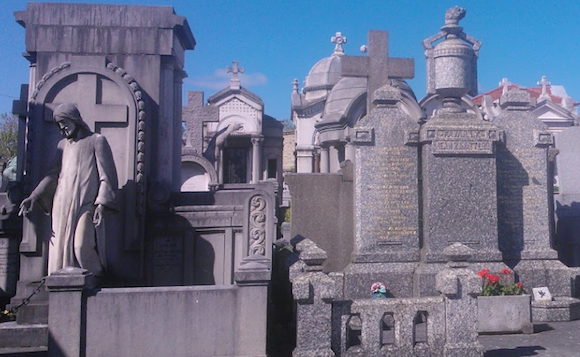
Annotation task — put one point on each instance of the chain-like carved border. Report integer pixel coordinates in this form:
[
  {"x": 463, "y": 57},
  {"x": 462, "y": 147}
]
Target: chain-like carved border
[
  {"x": 257, "y": 227},
  {"x": 46, "y": 77},
  {"x": 140, "y": 176}
]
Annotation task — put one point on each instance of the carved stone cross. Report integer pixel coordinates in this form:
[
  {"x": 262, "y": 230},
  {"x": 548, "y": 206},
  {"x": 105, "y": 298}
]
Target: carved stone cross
[
  {"x": 505, "y": 85},
  {"x": 89, "y": 102},
  {"x": 378, "y": 67},
  {"x": 338, "y": 40},
  {"x": 544, "y": 83},
  {"x": 234, "y": 69}
]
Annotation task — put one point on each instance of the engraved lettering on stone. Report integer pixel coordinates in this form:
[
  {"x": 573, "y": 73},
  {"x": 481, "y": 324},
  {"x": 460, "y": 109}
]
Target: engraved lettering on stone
[
  {"x": 363, "y": 136},
  {"x": 463, "y": 141},
  {"x": 392, "y": 191},
  {"x": 257, "y": 226}
]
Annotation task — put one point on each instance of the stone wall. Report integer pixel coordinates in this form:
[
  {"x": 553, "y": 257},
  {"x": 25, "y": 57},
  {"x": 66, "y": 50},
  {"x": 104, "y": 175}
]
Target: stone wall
[{"x": 178, "y": 321}]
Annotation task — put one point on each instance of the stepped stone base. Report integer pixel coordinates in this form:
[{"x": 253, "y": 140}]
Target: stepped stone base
[
  {"x": 560, "y": 309},
  {"x": 23, "y": 337}
]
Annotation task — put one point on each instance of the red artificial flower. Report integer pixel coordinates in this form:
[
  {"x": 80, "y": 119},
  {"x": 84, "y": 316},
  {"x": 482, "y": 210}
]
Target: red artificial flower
[
  {"x": 520, "y": 285},
  {"x": 493, "y": 279},
  {"x": 506, "y": 271},
  {"x": 483, "y": 273}
]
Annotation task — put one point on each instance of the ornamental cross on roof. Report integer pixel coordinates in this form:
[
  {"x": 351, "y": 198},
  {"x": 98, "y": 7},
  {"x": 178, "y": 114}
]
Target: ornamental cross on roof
[
  {"x": 505, "y": 85},
  {"x": 234, "y": 70},
  {"x": 545, "y": 84},
  {"x": 295, "y": 85},
  {"x": 338, "y": 40},
  {"x": 378, "y": 67}
]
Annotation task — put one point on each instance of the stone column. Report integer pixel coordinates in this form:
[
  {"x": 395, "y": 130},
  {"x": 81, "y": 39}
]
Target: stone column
[
  {"x": 66, "y": 311},
  {"x": 350, "y": 152},
  {"x": 460, "y": 287},
  {"x": 304, "y": 159},
  {"x": 324, "y": 160},
  {"x": 314, "y": 292},
  {"x": 256, "y": 158},
  {"x": 253, "y": 279},
  {"x": 166, "y": 129}
]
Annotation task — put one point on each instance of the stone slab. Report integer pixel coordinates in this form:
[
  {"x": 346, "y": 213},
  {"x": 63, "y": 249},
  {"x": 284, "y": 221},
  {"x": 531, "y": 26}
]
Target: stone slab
[
  {"x": 524, "y": 187},
  {"x": 322, "y": 211},
  {"x": 459, "y": 186},
  {"x": 560, "y": 309},
  {"x": 14, "y": 335},
  {"x": 386, "y": 182},
  {"x": 359, "y": 277}
]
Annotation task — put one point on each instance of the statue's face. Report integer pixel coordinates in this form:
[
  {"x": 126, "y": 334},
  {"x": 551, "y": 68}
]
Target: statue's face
[{"x": 67, "y": 126}]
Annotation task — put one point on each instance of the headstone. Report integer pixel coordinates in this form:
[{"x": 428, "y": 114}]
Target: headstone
[
  {"x": 568, "y": 196},
  {"x": 458, "y": 158},
  {"x": 458, "y": 154},
  {"x": 386, "y": 196},
  {"x": 523, "y": 182},
  {"x": 524, "y": 197}
]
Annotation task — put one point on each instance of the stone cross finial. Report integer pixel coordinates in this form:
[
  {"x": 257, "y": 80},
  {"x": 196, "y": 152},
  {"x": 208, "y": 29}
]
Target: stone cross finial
[
  {"x": 505, "y": 85},
  {"x": 234, "y": 70},
  {"x": 338, "y": 40},
  {"x": 378, "y": 67},
  {"x": 544, "y": 83},
  {"x": 295, "y": 85}
]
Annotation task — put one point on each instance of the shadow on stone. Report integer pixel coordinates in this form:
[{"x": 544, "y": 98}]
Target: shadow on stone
[
  {"x": 519, "y": 351},
  {"x": 542, "y": 327}
]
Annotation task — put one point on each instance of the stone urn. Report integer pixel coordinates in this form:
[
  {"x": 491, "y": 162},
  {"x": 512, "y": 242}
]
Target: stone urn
[{"x": 504, "y": 314}]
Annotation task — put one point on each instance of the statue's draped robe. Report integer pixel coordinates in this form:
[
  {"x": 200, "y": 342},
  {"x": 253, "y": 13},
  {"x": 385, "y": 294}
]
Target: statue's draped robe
[{"x": 82, "y": 176}]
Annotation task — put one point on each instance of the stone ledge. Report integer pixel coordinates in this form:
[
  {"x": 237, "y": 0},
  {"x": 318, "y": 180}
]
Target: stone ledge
[
  {"x": 560, "y": 309},
  {"x": 15, "y": 336}
]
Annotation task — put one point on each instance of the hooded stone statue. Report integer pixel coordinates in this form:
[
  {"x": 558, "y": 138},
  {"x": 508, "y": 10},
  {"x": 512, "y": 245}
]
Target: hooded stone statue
[{"x": 80, "y": 186}]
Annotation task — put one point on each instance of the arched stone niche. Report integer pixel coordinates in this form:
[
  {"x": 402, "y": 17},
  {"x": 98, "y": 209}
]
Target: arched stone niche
[
  {"x": 111, "y": 103},
  {"x": 197, "y": 174}
]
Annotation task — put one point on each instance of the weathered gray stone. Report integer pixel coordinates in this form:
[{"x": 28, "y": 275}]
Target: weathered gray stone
[
  {"x": 460, "y": 287},
  {"x": 314, "y": 292},
  {"x": 404, "y": 313},
  {"x": 504, "y": 314},
  {"x": 322, "y": 210},
  {"x": 568, "y": 197},
  {"x": 523, "y": 182},
  {"x": 66, "y": 310},
  {"x": 459, "y": 180},
  {"x": 560, "y": 309},
  {"x": 386, "y": 182}
]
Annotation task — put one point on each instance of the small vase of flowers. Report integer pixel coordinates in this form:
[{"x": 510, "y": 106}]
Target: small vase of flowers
[{"x": 379, "y": 290}]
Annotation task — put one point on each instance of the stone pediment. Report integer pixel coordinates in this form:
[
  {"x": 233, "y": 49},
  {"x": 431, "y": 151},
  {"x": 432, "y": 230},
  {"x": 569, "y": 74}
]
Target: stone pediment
[
  {"x": 555, "y": 116},
  {"x": 242, "y": 94}
]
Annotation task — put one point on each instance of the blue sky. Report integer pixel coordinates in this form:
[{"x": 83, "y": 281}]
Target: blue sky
[{"x": 277, "y": 41}]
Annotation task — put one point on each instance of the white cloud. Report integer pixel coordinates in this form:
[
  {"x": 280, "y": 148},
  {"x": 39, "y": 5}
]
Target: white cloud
[{"x": 221, "y": 79}]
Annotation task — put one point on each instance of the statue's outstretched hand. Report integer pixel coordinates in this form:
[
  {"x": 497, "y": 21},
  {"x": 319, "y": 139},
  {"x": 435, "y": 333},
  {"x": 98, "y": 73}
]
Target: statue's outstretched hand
[
  {"x": 98, "y": 215},
  {"x": 27, "y": 205}
]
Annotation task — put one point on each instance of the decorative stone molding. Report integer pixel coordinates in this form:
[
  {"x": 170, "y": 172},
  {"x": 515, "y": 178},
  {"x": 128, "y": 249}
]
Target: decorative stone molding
[
  {"x": 140, "y": 176},
  {"x": 46, "y": 77},
  {"x": 257, "y": 226}
]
